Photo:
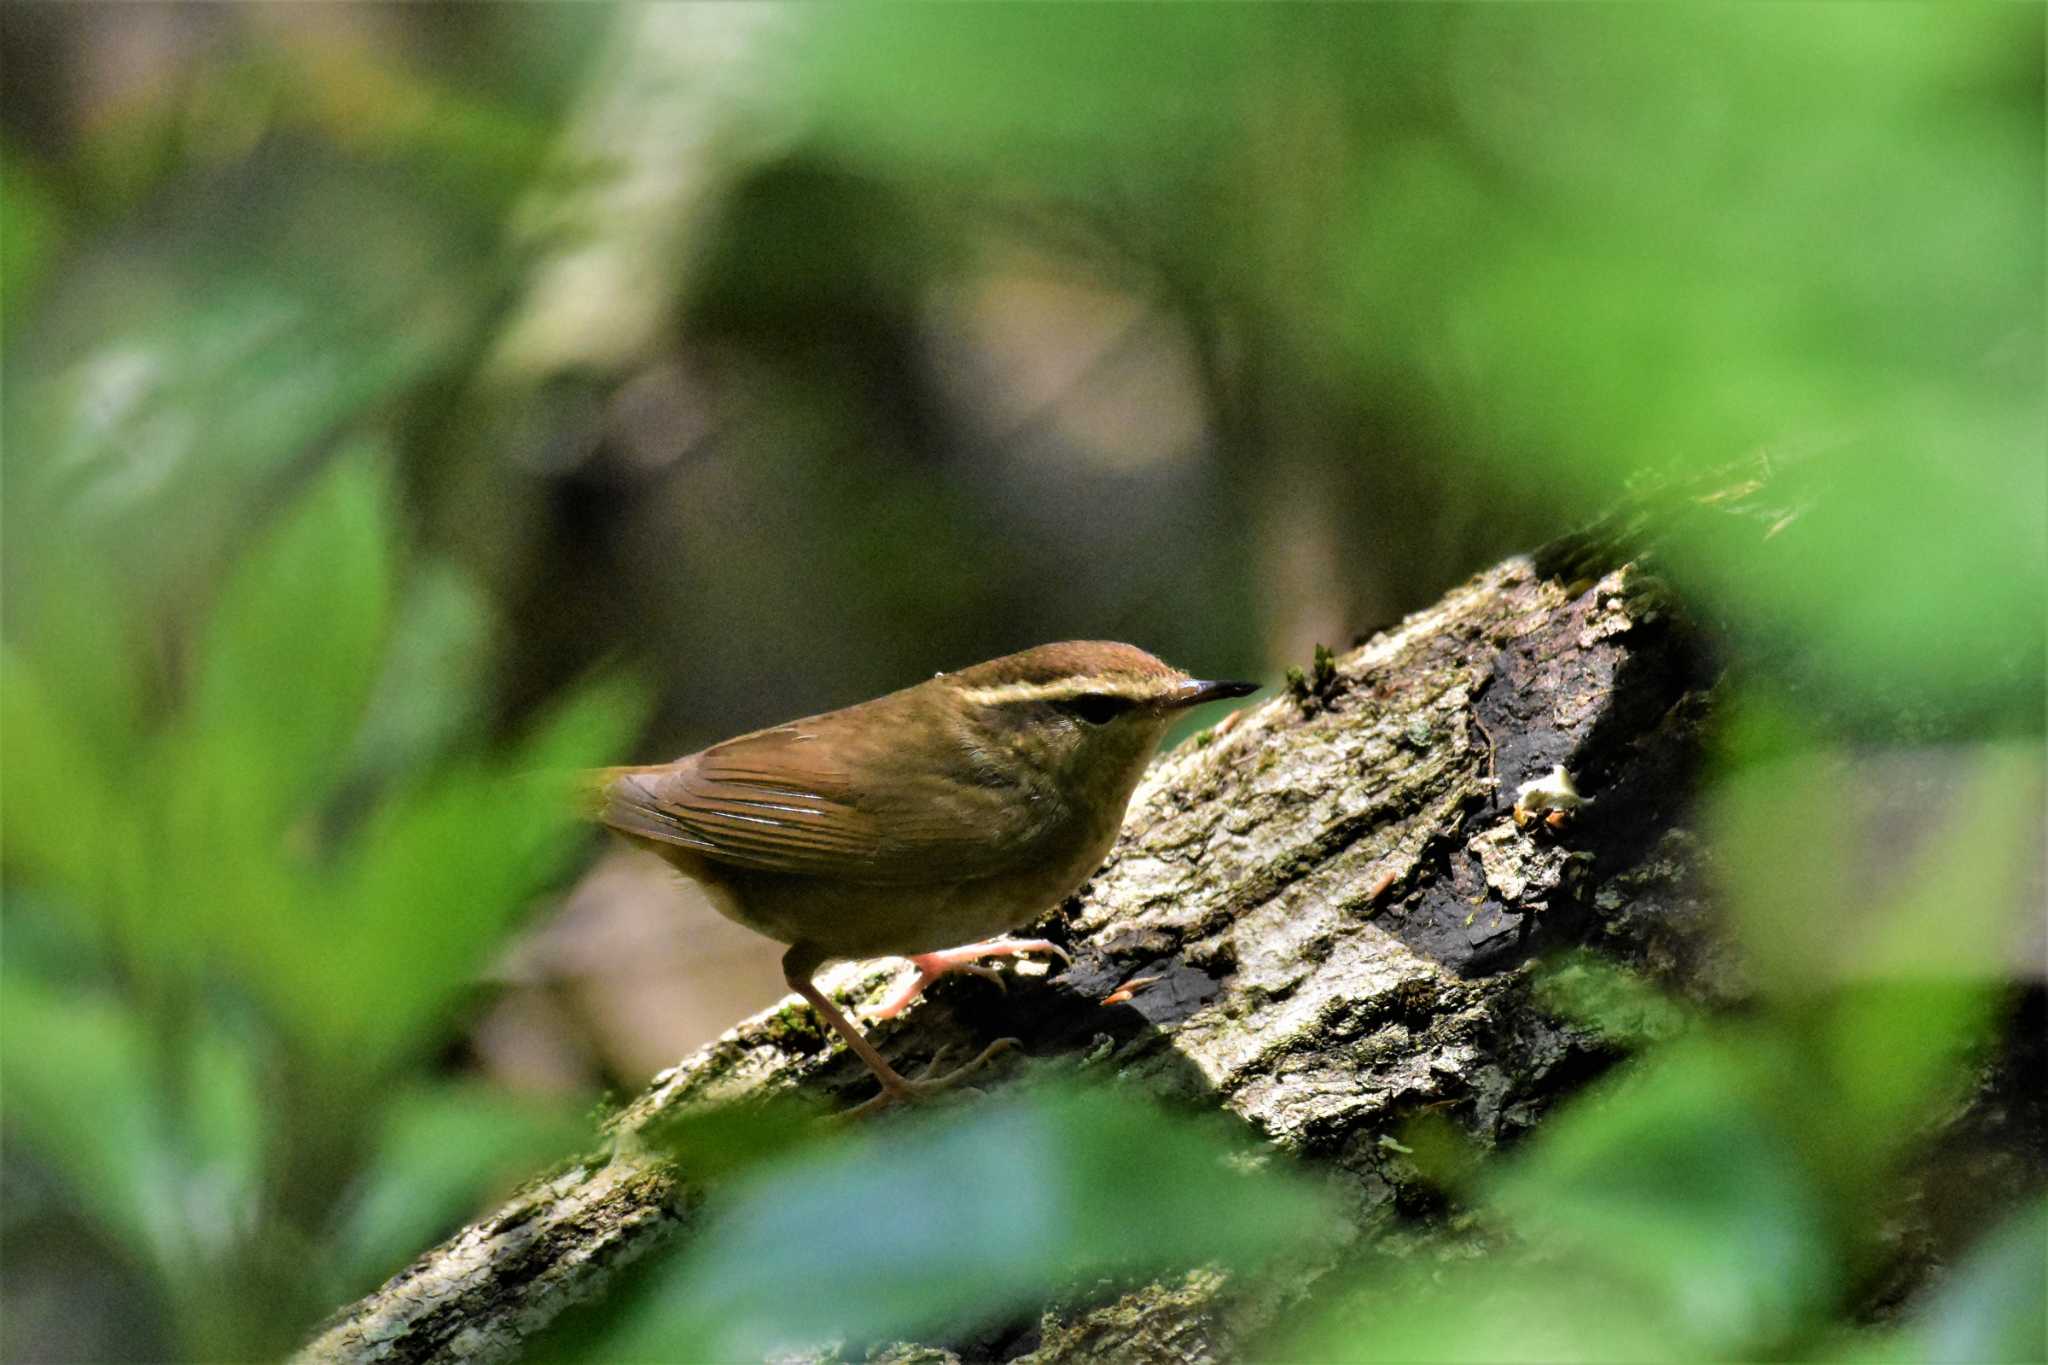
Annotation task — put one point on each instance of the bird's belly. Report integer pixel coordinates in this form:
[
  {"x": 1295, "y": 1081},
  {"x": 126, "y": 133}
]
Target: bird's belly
[
  {"x": 722, "y": 886},
  {"x": 860, "y": 920}
]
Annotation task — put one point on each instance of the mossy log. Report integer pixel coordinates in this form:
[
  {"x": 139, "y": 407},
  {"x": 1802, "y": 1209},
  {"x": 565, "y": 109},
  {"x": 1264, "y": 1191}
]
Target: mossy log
[{"x": 1334, "y": 905}]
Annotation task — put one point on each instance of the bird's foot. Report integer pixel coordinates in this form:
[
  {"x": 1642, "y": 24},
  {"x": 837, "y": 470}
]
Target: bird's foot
[
  {"x": 966, "y": 958},
  {"x": 908, "y": 1090}
]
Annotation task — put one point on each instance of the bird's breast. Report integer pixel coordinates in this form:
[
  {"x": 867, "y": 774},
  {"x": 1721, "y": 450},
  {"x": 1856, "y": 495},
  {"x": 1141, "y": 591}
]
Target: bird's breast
[{"x": 847, "y": 918}]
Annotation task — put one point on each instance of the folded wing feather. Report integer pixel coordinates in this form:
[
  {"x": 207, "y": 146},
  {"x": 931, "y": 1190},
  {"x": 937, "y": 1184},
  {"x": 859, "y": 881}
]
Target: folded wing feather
[{"x": 776, "y": 802}]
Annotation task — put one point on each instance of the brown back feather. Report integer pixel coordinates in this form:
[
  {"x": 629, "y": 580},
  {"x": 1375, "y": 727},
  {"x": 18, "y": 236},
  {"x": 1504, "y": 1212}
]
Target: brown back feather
[
  {"x": 867, "y": 793},
  {"x": 807, "y": 799}
]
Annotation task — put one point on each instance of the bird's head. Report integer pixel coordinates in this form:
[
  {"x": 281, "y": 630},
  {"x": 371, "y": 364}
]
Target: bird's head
[{"x": 1087, "y": 714}]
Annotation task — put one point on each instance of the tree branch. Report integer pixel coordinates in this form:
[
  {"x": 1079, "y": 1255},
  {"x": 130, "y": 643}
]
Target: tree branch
[{"x": 1335, "y": 902}]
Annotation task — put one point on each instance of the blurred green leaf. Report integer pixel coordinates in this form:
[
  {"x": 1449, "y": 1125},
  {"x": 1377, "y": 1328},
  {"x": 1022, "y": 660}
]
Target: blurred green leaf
[
  {"x": 437, "y": 664},
  {"x": 440, "y": 1151},
  {"x": 1614, "y": 1002},
  {"x": 1498, "y": 1309},
  {"x": 178, "y": 369},
  {"x": 1673, "y": 1183},
  {"x": 1069, "y": 94},
  {"x": 1995, "y": 1304},
  {"x": 219, "y": 868},
  {"x": 30, "y": 231},
  {"x": 948, "y": 1219},
  {"x": 80, "y": 627},
  {"x": 714, "y": 1141},
  {"x": 1670, "y": 236},
  {"x": 1882, "y": 897},
  {"x": 80, "y": 1090},
  {"x": 58, "y": 811},
  {"x": 364, "y": 967},
  {"x": 158, "y": 1135},
  {"x": 292, "y": 644},
  {"x": 222, "y": 867},
  {"x": 1908, "y": 863}
]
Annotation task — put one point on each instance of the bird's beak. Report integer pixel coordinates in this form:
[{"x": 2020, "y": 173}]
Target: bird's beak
[{"x": 1194, "y": 692}]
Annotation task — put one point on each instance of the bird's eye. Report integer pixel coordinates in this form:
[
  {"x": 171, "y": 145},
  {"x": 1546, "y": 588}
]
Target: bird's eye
[{"x": 1097, "y": 708}]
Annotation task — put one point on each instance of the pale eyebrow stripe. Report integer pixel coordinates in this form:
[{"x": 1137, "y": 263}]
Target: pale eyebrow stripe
[{"x": 1063, "y": 689}]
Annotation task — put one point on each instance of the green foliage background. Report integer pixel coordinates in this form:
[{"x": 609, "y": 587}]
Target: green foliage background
[{"x": 309, "y": 567}]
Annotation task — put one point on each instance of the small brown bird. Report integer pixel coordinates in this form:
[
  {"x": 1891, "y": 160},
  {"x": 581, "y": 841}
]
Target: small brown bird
[{"x": 922, "y": 824}]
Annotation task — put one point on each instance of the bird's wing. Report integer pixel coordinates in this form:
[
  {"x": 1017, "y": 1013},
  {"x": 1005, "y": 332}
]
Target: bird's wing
[{"x": 798, "y": 799}]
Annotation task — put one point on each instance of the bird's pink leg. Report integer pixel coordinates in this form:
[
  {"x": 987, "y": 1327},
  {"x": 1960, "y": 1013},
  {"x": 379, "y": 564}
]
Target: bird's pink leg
[
  {"x": 798, "y": 964},
  {"x": 932, "y": 966}
]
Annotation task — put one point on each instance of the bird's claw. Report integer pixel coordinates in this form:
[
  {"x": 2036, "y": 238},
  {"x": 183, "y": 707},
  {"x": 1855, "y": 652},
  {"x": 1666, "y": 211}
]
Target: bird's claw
[
  {"x": 925, "y": 1085},
  {"x": 986, "y": 974}
]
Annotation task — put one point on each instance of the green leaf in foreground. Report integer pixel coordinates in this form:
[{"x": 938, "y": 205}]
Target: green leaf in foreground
[
  {"x": 956, "y": 1217},
  {"x": 1676, "y": 1185},
  {"x": 1996, "y": 1305}
]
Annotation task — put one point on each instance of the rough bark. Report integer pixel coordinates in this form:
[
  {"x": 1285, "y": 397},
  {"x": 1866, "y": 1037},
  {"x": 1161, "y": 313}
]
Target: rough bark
[{"x": 1338, "y": 905}]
